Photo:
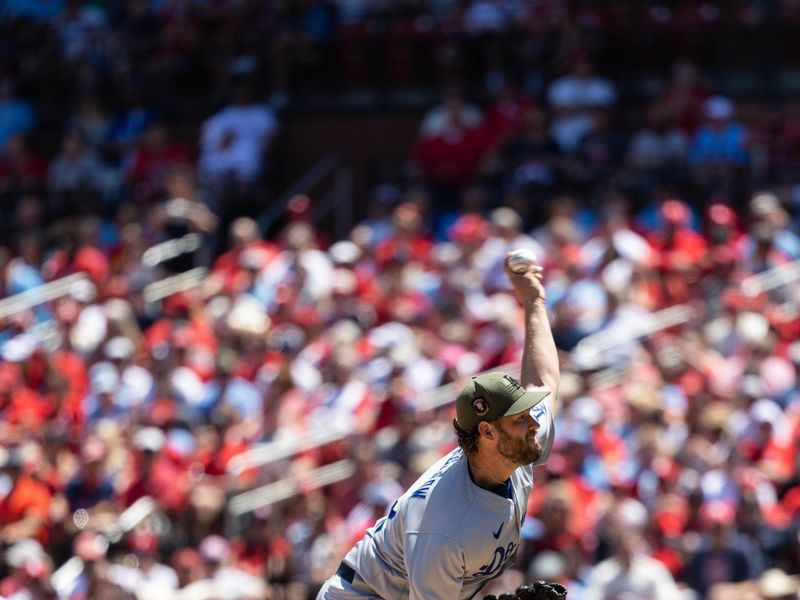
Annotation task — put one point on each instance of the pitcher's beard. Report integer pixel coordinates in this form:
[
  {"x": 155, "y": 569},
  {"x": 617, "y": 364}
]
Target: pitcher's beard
[{"x": 518, "y": 451}]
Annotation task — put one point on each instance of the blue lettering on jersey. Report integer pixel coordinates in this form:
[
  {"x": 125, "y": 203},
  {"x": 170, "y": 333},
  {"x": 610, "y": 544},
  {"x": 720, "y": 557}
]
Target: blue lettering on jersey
[
  {"x": 502, "y": 557},
  {"x": 537, "y": 412},
  {"x": 392, "y": 512},
  {"x": 422, "y": 491}
]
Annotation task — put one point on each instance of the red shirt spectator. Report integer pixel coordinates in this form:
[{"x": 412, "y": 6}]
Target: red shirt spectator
[
  {"x": 152, "y": 160},
  {"x": 21, "y": 169},
  {"x": 683, "y": 99},
  {"x": 25, "y": 510},
  {"x": 453, "y": 158}
]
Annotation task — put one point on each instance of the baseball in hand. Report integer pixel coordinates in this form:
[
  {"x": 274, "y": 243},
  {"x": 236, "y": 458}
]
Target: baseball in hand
[{"x": 520, "y": 260}]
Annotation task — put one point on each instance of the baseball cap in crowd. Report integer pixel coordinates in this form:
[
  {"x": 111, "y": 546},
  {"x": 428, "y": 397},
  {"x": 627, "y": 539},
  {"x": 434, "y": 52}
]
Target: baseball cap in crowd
[
  {"x": 766, "y": 411},
  {"x": 149, "y": 439},
  {"x": 717, "y": 512},
  {"x": 671, "y": 521},
  {"x": 763, "y": 204},
  {"x": 215, "y": 548},
  {"x": 119, "y": 348},
  {"x": 675, "y": 212},
  {"x": 467, "y": 229},
  {"x": 489, "y": 396},
  {"x": 103, "y": 378},
  {"x": 547, "y": 565},
  {"x": 506, "y": 218},
  {"x": 344, "y": 252},
  {"x": 631, "y": 514}
]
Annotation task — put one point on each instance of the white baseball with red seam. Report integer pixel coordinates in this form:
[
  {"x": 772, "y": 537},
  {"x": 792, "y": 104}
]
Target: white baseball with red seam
[{"x": 520, "y": 260}]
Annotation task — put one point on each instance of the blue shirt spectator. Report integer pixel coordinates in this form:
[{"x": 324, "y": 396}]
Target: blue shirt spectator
[
  {"x": 720, "y": 139},
  {"x": 34, "y": 10},
  {"x": 16, "y": 114}
]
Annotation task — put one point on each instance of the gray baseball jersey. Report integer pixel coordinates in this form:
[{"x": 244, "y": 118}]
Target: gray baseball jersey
[{"x": 445, "y": 537}]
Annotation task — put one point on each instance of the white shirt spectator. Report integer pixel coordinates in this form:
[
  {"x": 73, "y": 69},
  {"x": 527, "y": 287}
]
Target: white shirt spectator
[
  {"x": 586, "y": 298},
  {"x": 228, "y": 583},
  {"x": 646, "y": 578},
  {"x": 69, "y": 175},
  {"x": 650, "y": 148},
  {"x": 573, "y": 95},
  {"x": 133, "y": 580},
  {"x": 234, "y": 140},
  {"x": 443, "y": 120}
]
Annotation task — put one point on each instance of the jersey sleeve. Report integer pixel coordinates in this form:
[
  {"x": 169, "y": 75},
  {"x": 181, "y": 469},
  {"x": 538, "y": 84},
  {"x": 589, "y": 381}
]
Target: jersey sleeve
[
  {"x": 547, "y": 430},
  {"x": 435, "y": 567}
]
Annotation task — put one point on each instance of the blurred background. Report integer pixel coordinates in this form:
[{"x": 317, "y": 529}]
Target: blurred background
[{"x": 251, "y": 249}]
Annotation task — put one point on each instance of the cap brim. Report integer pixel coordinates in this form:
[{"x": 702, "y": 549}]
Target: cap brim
[{"x": 527, "y": 401}]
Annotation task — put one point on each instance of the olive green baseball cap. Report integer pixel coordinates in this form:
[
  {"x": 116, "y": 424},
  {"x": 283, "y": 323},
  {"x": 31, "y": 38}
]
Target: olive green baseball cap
[{"x": 489, "y": 396}]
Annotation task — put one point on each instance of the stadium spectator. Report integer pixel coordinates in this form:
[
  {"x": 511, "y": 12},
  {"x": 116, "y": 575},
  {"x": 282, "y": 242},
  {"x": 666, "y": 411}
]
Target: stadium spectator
[
  {"x": 451, "y": 146},
  {"x": 600, "y": 151},
  {"x": 719, "y": 140},
  {"x": 90, "y": 486},
  {"x": 25, "y": 505},
  {"x": 528, "y": 160},
  {"x": 90, "y": 120},
  {"x": 453, "y": 117},
  {"x": 151, "y": 160},
  {"x": 127, "y": 125},
  {"x": 659, "y": 144},
  {"x": 21, "y": 169},
  {"x": 505, "y": 113},
  {"x": 505, "y": 233},
  {"x": 629, "y": 571},
  {"x": 74, "y": 176},
  {"x": 235, "y": 141},
  {"x": 572, "y": 98},
  {"x": 717, "y": 561},
  {"x": 17, "y": 116},
  {"x": 684, "y": 97}
]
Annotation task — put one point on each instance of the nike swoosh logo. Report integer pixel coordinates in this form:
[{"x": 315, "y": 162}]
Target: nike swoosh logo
[{"x": 497, "y": 535}]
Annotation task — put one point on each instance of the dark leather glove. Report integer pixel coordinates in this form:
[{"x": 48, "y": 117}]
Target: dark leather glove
[{"x": 542, "y": 590}]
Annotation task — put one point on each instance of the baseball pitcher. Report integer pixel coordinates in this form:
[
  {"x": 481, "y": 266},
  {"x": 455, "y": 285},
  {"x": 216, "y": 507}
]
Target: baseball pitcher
[{"x": 459, "y": 525}]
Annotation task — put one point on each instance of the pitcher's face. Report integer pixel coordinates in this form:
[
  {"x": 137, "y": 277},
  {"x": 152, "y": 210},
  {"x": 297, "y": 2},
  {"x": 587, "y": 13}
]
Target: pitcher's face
[{"x": 517, "y": 440}]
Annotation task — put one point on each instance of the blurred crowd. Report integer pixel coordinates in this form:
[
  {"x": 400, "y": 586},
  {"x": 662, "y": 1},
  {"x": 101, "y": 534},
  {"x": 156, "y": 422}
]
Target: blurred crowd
[
  {"x": 676, "y": 471},
  {"x": 676, "y": 458}
]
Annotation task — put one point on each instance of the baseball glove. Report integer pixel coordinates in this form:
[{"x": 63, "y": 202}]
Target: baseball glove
[{"x": 540, "y": 590}]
